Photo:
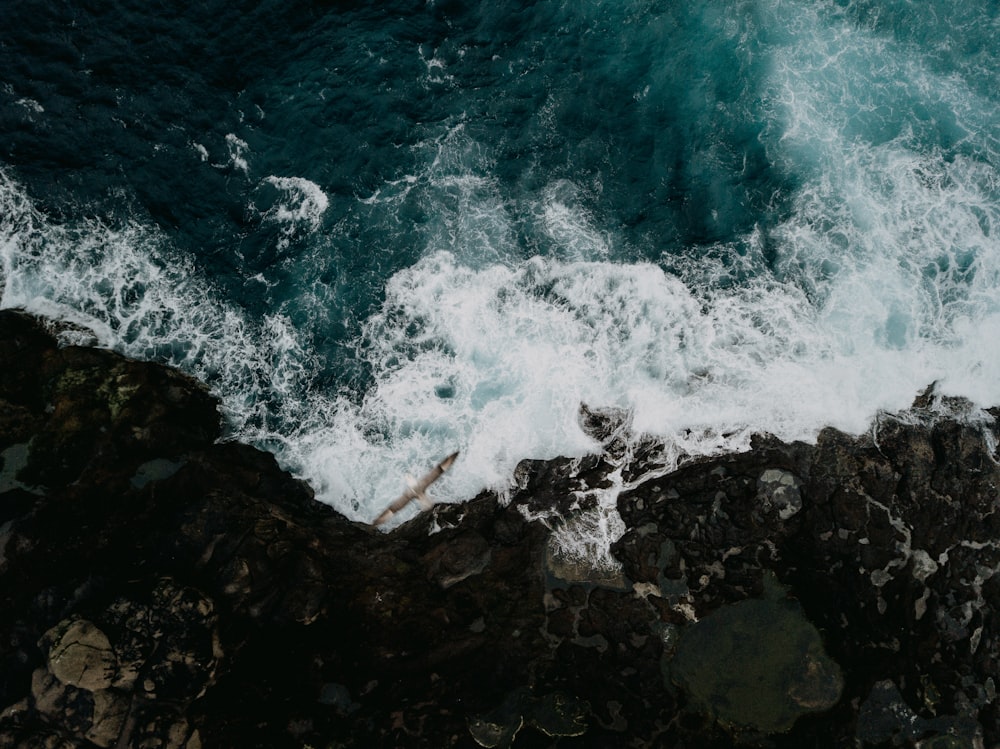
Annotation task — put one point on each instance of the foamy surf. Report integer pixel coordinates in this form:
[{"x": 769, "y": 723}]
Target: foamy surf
[
  {"x": 476, "y": 285},
  {"x": 297, "y": 208},
  {"x": 146, "y": 300},
  {"x": 495, "y": 361}
]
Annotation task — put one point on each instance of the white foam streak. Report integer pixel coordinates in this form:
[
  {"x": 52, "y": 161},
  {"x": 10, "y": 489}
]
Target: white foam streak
[
  {"x": 568, "y": 226},
  {"x": 298, "y": 210},
  {"x": 238, "y": 149}
]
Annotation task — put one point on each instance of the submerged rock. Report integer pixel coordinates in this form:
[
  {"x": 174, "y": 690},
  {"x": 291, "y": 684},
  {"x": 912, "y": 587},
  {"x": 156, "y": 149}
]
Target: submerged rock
[{"x": 757, "y": 664}]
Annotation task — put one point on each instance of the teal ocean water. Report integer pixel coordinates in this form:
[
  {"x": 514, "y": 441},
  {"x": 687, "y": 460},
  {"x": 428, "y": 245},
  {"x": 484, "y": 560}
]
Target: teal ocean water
[{"x": 382, "y": 232}]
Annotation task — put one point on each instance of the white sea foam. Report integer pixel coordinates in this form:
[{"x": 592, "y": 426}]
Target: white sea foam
[
  {"x": 125, "y": 285},
  {"x": 394, "y": 190},
  {"x": 496, "y": 362},
  {"x": 436, "y": 68},
  {"x": 568, "y": 226},
  {"x": 882, "y": 276},
  {"x": 238, "y": 149},
  {"x": 299, "y": 208},
  {"x": 31, "y": 105},
  {"x": 494, "y": 358}
]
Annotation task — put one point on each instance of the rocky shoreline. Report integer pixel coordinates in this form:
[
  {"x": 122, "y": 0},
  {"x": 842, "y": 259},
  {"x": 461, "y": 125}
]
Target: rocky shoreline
[{"x": 159, "y": 588}]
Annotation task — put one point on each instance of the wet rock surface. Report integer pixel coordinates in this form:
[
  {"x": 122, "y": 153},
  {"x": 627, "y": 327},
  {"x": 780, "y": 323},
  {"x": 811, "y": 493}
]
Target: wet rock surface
[{"x": 159, "y": 588}]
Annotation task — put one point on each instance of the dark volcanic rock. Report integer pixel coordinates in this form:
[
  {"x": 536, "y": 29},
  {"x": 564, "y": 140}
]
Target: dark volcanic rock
[{"x": 160, "y": 589}]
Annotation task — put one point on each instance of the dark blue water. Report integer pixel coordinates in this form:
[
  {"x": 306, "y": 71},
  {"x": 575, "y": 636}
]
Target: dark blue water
[{"x": 384, "y": 232}]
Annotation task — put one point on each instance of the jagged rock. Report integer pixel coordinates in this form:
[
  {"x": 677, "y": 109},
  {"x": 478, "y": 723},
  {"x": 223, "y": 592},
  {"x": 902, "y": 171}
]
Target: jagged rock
[{"x": 159, "y": 588}]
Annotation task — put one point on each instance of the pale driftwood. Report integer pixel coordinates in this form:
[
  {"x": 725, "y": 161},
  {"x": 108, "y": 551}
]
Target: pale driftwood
[{"x": 417, "y": 490}]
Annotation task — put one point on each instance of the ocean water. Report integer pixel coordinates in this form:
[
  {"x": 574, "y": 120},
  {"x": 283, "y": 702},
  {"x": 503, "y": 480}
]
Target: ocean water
[{"x": 383, "y": 232}]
